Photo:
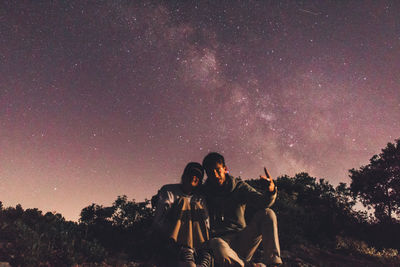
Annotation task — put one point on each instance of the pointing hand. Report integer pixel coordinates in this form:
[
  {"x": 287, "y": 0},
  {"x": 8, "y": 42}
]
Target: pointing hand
[{"x": 268, "y": 178}]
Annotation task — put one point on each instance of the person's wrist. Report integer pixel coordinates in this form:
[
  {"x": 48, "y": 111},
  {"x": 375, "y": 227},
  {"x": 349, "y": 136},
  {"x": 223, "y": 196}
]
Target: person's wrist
[{"x": 265, "y": 183}]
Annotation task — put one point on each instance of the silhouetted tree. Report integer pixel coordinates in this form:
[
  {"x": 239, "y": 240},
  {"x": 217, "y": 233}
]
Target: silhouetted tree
[
  {"x": 120, "y": 228},
  {"x": 29, "y": 238},
  {"x": 312, "y": 211},
  {"x": 378, "y": 183}
]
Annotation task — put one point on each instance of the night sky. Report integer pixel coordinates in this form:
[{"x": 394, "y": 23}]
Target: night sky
[{"x": 104, "y": 98}]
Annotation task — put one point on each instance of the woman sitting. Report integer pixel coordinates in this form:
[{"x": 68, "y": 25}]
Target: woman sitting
[{"x": 181, "y": 220}]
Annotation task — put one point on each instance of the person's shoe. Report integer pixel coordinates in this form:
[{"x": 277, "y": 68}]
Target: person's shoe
[
  {"x": 204, "y": 258},
  {"x": 186, "y": 255},
  {"x": 255, "y": 264},
  {"x": 275, "y": 264}
]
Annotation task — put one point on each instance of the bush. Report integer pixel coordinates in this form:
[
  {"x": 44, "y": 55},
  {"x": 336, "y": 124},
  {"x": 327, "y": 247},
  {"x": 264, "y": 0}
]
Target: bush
[{"x": 357, "y": 247}]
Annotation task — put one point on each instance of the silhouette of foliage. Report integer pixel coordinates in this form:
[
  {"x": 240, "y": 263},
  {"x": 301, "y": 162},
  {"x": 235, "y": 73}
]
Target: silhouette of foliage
[
  {"x": 122, "y": 228},
  {"x": 310, "y": 212},
  {"x": 29, "y": 238},
  {"x": 378, "y": 183}
]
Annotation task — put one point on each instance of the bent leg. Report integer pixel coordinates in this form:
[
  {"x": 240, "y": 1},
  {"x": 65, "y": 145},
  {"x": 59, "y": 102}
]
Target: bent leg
[
  {"x": 181, "y": 221},
  {"x": 263, "y": 226},
  {"x": 272, "y": 250},
  {"x": 224, "y": 254}
]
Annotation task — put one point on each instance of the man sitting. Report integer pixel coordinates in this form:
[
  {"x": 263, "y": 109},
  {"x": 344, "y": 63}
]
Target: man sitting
[{"x": 233, "y": 242}]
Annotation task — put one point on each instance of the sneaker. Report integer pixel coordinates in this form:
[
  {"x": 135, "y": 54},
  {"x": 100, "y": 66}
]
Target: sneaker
[
  {"x": 186, "y": 255},
  {"x": 255, "y": 264},
  {"x": 204, "y": 258}
]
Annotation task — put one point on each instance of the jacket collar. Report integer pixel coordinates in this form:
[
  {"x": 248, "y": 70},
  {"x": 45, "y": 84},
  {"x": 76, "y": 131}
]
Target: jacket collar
[{"x": 226, "y": 188}]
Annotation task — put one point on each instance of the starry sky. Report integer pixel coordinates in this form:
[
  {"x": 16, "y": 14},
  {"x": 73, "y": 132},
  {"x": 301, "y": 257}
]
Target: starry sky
[{"x": 104, "y": 98}]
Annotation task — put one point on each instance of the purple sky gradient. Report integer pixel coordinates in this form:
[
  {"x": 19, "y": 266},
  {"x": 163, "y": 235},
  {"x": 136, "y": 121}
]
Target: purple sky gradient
[{"x": 104, "y": 98}]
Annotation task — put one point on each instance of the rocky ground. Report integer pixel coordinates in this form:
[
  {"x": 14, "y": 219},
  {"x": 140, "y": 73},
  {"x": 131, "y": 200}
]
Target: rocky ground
[
  {"x": 298, "y": 256},
  {"x": 303, "y": 256}
]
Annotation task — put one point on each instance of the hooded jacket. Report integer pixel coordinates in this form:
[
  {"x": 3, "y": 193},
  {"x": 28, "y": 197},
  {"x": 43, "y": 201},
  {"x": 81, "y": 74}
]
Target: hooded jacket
[
  {"x": 227, "y": 204},
  {"x": 168, "y": 196}
]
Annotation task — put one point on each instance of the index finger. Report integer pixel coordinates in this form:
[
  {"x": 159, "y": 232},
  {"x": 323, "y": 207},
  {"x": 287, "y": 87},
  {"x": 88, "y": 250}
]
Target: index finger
[{"x": 266, "y": 173}]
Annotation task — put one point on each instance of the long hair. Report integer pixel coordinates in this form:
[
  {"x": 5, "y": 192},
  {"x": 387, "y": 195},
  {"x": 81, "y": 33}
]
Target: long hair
[{"x": 193, "y": 168}]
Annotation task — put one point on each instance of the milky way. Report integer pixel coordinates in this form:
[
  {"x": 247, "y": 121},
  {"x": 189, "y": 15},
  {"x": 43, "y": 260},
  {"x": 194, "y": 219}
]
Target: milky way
[{"x": 104, "y": 98}]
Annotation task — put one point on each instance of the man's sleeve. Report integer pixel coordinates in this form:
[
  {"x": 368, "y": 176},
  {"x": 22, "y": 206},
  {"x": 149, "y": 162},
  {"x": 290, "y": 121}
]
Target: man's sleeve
[{"x": 257, "y": 199}]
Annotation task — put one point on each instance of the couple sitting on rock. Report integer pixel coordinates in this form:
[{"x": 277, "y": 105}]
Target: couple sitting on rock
[{"x": 198, "y": 222}]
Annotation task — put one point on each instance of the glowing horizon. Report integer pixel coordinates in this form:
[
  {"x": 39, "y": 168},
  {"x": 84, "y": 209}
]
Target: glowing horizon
[{"x": 114, "y": 98}]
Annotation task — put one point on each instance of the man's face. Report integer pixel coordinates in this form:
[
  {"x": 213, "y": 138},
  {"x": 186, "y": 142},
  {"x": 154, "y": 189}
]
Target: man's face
[{"x": 218, "y": 174}]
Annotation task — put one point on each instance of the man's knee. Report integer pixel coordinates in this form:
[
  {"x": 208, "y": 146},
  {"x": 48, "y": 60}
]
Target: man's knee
[
  {"x": 223, "y": 253},
  {"x": 266, "y": 216},
  {"x": 218, "y": 244},
  {"x": 270, "y": 214}
]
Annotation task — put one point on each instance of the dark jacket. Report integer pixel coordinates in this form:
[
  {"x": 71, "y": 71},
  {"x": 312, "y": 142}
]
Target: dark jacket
[{"x": 227, "y": 204}]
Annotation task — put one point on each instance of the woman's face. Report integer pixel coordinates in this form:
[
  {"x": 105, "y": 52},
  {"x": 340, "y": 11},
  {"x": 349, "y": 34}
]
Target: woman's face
[{"x": 191, "y": 179}]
